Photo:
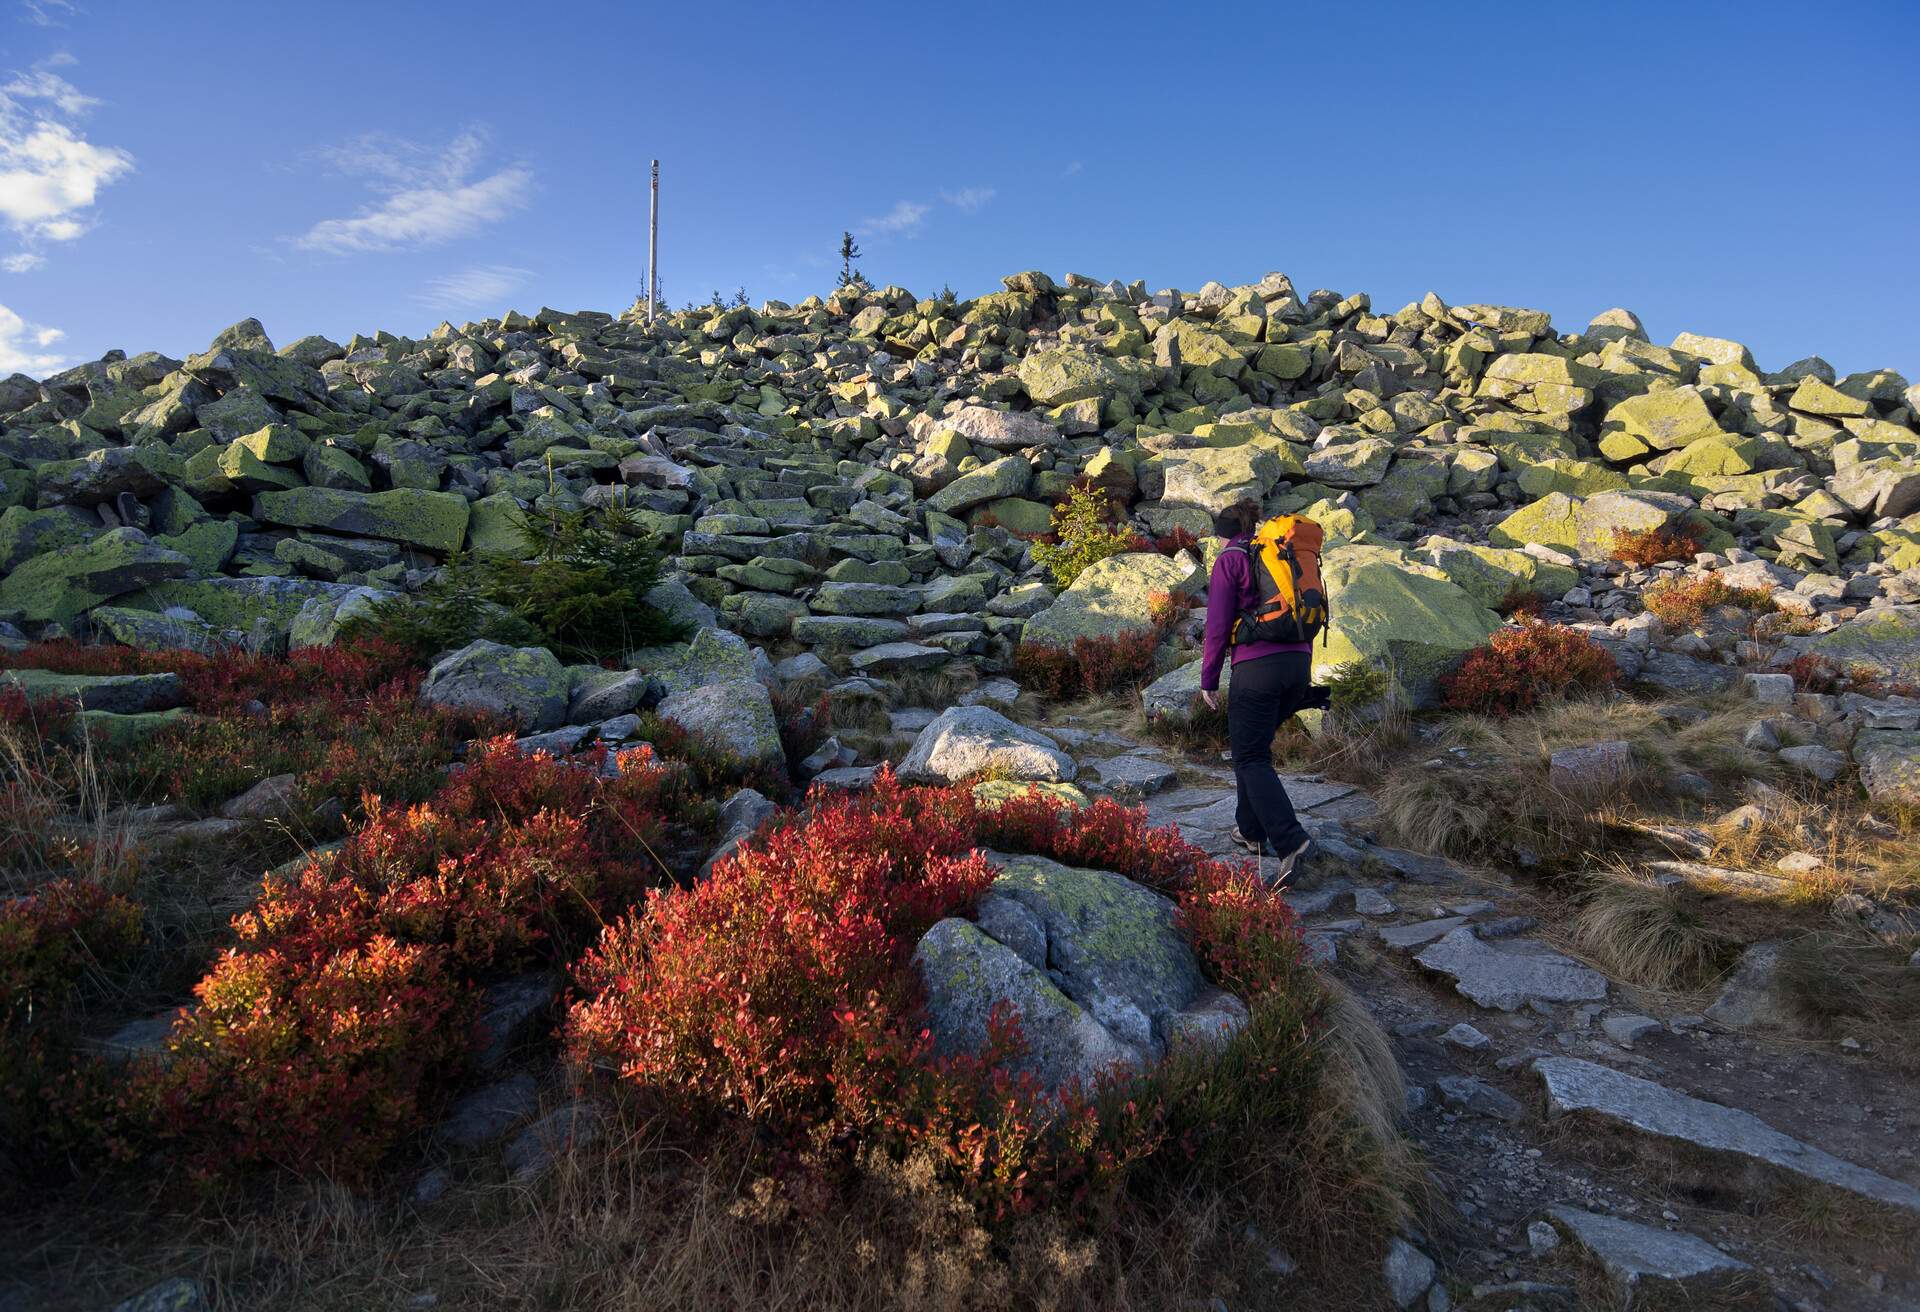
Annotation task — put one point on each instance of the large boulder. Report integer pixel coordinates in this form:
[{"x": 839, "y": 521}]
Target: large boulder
[
  {"x": 965, "y": 741},
  {"x": 1211, "y": 479},
  {"x": 1094, "y": 966},
  {"x": 1656, "y": 421},
  {"x": 1067, "y": 374},
  {"x": 62, "y": 585},
  {"x": 735, "y": 715},
  {"x": 1003, "y": 430},
  {"x": 526, "y": 685},
  {"x": 712, "y": 656},
  {"x": 1110, "y": 597},
  {"x": 1889, "y": 761},
  {"x": 1886, "y": 639},
  {"x": 1490, "y": 574},
  {"x": 436, "y": 521},
  {"x": 1390, "y": 612},
  {"x": 1006, "y": 477},
  {"x": 1351, "y": 464}
]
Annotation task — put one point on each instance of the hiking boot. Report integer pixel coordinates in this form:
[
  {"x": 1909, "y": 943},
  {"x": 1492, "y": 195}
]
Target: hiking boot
[
  {"x": 1291, "y": 863},
  {"x": 1252, "y": 846}
]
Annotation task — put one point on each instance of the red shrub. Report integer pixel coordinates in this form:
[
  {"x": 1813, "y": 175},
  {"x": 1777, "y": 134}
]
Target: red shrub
[
  {"x": 1682, "y": 602},
  {"x": 1813, "y": 673},
  {"x": 52, "y": 936},
  {"x": 1522, "y": 603},
  {"x": 1655, "y": 546},
  {"x": 322, "y": 1034},
  {"x": 727, "y": 991},
  {"x": 1521, "y": 667},
  {"x": 1093, "y": 666},
  {"x": 309, "y": 1059},
  {"x": 779, "y": 989},
  {"x": 1173, "y": 543}
]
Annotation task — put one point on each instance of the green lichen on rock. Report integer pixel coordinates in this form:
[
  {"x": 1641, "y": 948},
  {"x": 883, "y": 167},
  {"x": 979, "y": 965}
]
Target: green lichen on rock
[
  {"x": 436, "y": 521},
  {"x": 63, "y": 585}
]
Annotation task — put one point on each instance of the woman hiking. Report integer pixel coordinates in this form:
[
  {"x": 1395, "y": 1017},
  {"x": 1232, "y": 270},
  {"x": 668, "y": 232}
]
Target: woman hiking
[{"x": 1271, "y": 680}]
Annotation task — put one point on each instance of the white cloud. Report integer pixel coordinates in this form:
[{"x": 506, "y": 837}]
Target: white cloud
[
  {"x": 24, "y": 262},
  {"x": 428, "y": 197},
  {"x": 904, "y": 218},
  {"x": 49, "y": 13},
  {"x": 50, "y": 173},
  {"x": 23, "y": 346},
  {"x": 1072, "y": 168},
  {"x": 969, "y": 199},
  {"x": 485, "y": 285}
]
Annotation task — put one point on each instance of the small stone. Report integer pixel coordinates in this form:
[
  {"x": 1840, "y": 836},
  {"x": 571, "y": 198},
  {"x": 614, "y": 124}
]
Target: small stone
[
  {"x": 1770, "y": 689},
  {"x": 1408, "y": 1272},
  {"x": 1467, "y": 1037},
  {"x": 1542, "y": 1238},
  {"x": 1626, "y": 1029}
]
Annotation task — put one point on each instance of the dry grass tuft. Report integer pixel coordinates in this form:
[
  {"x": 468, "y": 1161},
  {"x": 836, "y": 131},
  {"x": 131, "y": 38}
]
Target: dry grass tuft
[
  {"x": 1489, "y": 791},
  {"x": 1666, "y": 938},
  {"x": 1851, "y": 983}
]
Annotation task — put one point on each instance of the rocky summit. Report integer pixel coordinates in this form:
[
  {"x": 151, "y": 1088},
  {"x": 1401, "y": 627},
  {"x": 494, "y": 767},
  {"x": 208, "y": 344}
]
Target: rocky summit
[
  {"x": 864, "y": 499},
  {"x": 860, "y": 475}
]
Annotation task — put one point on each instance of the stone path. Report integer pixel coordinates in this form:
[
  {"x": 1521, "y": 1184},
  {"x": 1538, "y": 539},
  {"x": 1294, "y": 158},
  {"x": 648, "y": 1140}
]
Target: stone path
[{"x": 1508, "y": 1041}]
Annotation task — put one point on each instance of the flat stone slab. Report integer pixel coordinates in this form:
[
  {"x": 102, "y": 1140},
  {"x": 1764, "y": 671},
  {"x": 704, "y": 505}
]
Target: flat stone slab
[
  {"x": 1634, "y": 1255},
  {"x": 1420, "y": 932},
  {"x": 1516, "y": 972},
  {"x": 1131, "y": 777},
  {"x": 1574, "y": 1085}
]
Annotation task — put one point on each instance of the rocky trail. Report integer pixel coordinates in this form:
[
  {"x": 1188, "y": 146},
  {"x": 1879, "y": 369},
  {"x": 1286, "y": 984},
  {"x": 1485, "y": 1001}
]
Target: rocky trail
[{"x": 1563, "y": 1112}]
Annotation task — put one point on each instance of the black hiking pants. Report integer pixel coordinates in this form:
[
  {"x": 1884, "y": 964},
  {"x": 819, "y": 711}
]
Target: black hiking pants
[{"x": 1261, "y": 696}]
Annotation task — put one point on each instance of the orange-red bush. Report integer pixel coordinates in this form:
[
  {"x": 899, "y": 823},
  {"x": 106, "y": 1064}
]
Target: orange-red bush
[
  {"x": 321, "y": 1035},
  {"x": 50, "y": 937},
  {"x": 1682, "y": 602},
  {"x": 1521, "y": 667},
  {"x": 1654, "y": 546},
  {"x": 1092, "y": 666},
  {"x": 779, "y": 989}
]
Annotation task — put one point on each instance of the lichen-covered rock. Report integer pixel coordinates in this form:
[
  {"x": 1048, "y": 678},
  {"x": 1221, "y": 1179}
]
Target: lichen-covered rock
[
  {"x": 734, "y": 715},
  {"x": 1389, "y": 612},
  {"x": 1069, "y": 374},
  {"x": 963, "y": 742},
  {"x": 525, "y": 685},
  {"x": 1109, "y": 598},
  {"x": 122, "y": 694},
  {"x": 436, "y": 521},
  {"x": 1490, "y": 575},
  {"x": 1095, "y": 966},
  {"x": 1006, "y": 477},
  {"x": 64, "y": 584},
  {"x": 1885, "y": 639},
  {"x": 1889, "y": 762}
]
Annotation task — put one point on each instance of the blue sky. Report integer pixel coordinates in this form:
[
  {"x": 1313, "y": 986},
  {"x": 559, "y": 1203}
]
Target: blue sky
[{"x": 1749, "y": 170}]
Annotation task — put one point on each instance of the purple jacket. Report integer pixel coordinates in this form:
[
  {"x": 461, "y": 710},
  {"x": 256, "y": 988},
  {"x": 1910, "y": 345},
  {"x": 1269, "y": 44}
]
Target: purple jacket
[{"x": 1229, "y": 592}]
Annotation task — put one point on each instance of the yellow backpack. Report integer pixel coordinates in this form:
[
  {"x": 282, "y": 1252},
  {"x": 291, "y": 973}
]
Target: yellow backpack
[{"x": 1290, "y": 601}]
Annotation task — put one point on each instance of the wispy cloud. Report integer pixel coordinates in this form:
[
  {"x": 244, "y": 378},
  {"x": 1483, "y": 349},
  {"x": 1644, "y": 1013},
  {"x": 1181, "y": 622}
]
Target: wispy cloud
[
  {"x": 49, "y": 13},
  {"x": 904, "y": 219},
  {"x": 485, "y": 285},
  {"x": 24, "y": 262},
  {"x": 1073, "y": 167},
  {"x": 428, "y": 196},
  {"x": 50, "y": 174},
  {"x": 968, "y": 199},
  {"x": 23, "y": 346}
]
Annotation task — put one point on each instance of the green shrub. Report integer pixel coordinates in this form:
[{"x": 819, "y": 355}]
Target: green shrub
[
  {"x": 581, "y": 593},
  {"x": 1084, "y": 534}
]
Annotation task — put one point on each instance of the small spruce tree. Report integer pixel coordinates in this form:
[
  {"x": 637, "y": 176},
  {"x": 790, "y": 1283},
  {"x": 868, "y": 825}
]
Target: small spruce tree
[{"x": 849, "y": 253}]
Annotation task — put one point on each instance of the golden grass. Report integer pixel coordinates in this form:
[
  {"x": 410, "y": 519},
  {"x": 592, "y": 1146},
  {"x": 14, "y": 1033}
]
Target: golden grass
[
  {"x": 640, "y": 1223},
  {"x": 1667, "y": 938},
  {"x": 1488, "y": 791}
]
